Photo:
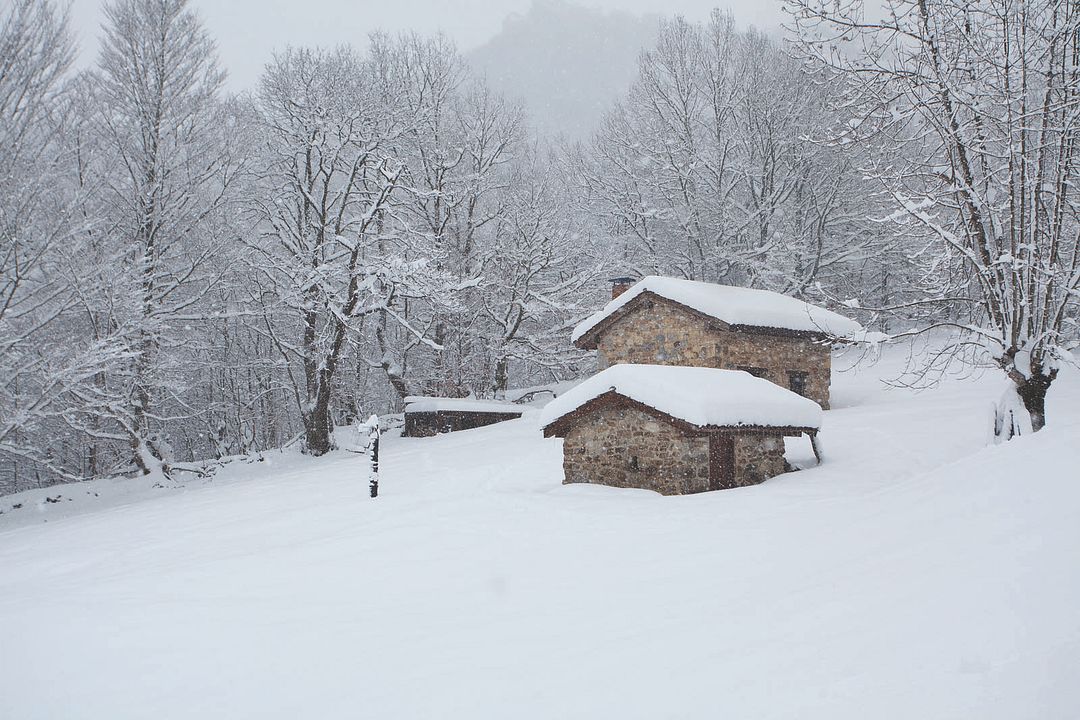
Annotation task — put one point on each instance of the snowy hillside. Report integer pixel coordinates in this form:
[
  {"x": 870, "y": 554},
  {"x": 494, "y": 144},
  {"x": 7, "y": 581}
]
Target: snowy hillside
[{"x": 917, "y": 574}]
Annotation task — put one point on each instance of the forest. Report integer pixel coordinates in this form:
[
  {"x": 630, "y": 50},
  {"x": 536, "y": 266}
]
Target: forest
[{"x": 188, "y": 274}]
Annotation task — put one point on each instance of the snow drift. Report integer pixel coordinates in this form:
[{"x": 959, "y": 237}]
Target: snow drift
[{"x": 918, "y": 573}]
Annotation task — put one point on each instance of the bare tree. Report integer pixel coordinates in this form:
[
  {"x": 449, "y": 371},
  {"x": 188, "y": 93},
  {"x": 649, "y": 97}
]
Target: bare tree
[
  {"x": 186, "y": 277},
  {"x": 457, "y": 159},
  {"x": 46, "y": 363},
  {"x": 334, "y": 253},
  {"x": 973, "y": 108},
  {"x": 711, "y": 168},
  {"x": 170, "y": 172},
  {"x": 537, "y": 273}
]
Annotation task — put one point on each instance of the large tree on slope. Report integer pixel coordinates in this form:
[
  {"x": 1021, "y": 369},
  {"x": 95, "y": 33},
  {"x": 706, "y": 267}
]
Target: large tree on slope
[
  {"x": 48, "y": 359},
  {"x": 158, "y": 86},
  {"x": 332, "y": 252},
  {"x": 973, "y": 110}
]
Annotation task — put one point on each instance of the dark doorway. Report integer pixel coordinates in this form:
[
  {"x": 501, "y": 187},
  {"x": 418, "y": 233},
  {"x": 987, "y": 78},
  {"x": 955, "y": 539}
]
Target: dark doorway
[{"x": 721, "y": 462}]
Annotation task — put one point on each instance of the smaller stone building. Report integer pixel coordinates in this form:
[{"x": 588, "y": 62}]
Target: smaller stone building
[
  {"x": 427, "y": 416},
  {"x": 668, "y": 321},
  {"x": 676, "y": 430}
]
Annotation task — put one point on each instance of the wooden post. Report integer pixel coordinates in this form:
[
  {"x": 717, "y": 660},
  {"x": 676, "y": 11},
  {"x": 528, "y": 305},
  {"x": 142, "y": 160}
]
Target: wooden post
[
  {"x": 813, "y": 444},
  {"x": 375, "y": 465},
  {"x": 372, "y": 427}
]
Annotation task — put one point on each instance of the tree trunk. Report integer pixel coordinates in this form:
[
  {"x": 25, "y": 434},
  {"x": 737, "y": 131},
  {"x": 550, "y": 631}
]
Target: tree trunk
[
  {"x": 318, "y": 426},
  {"x": 502, "y": 376},
  {"x": 1032, "y": 392},
  {"x": 440, "y": 373}
]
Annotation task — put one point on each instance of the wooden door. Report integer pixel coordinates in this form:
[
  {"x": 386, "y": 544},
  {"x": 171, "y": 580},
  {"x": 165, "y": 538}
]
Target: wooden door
[{"x": 721, "y": 461}]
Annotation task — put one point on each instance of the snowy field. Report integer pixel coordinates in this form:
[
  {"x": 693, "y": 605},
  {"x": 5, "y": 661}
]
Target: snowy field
[{"x": 919, "y": 573}]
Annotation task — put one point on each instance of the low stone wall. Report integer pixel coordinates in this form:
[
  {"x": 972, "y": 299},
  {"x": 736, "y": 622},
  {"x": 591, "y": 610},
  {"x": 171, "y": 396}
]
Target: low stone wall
[
  {"x": 427, "y": 424},
  {"x": 662, "y": 333}
]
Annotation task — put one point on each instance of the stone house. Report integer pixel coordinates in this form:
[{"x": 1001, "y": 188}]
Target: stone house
[
  {"x": 668, "y": 321},
  {"x": 428, "y": 416},
  {"x": 676, "y": 430}
]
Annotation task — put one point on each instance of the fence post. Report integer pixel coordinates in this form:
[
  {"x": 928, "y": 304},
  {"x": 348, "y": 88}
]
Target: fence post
[{"x": 372, "y": 426}]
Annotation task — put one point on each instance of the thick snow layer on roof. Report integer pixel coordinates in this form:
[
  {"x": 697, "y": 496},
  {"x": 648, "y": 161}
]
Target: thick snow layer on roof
[
  {"x": 732, "y": 305},
  {"x": 700, "y": 396},
  {"x": 438, "y": 404}
]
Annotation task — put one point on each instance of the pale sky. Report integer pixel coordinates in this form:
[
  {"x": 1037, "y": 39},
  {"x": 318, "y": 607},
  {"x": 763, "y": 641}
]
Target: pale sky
[{"x": 248, "y": 31}]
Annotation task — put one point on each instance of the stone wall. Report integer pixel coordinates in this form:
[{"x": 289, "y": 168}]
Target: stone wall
[
  {"x": 625, "y": 447},
  {"x": 427, "y": 424},
  {"x": 758, "y": 457},
  {"x": 662, "y": 333}
]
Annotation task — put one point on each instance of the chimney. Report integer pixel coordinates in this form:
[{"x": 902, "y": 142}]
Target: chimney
[{"x": 619, "y": 285}]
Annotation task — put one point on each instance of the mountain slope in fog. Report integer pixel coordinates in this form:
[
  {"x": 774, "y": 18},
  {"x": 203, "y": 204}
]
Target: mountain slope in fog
[{"x": 567, "y": 63}]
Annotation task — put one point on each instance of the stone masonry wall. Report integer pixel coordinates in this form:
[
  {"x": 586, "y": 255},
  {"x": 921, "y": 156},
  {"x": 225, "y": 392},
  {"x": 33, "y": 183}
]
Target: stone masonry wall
[
  {"x": 665, "y": 334},
  {"x": 625, "y": 447},
  {"x": 758, "y": 457},
  {"x": 601, "y": 448}
]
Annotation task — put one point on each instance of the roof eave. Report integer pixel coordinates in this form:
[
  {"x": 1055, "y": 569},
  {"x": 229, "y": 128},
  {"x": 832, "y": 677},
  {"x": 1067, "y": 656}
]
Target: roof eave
[
  {"x": 819, "y": 335},
  {"x": 589, "y": 340},
  {"x": 559, "y": 426}
]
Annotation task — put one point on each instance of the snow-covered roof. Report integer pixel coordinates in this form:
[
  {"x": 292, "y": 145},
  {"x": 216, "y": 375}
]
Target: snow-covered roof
[
  {"x": 418, "y": 403},
  {"x": 732, "y": 305},
  {"x": 700, "y": 396}
]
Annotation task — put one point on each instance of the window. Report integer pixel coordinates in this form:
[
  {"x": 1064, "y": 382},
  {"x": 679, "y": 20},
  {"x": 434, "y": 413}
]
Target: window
[
  {"x": 634, "y": 464},
  {"x": 797, "y": 381},
  {"x": 755, "y": 371}
]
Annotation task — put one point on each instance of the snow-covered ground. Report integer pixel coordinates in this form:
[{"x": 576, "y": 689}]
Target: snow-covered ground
[{"x": 919, "y": 573}]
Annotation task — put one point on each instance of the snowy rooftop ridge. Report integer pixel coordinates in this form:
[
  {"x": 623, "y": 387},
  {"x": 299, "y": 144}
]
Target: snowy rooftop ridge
[
  {"x": 732, "y": 305},
  {"x": 700, "y": 396},
  {"x": 420, "y": 403}
]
